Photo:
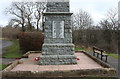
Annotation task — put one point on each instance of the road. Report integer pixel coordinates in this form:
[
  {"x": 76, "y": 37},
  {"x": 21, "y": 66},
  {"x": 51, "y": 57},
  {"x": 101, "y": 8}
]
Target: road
[{"x": 4, "y": 44}]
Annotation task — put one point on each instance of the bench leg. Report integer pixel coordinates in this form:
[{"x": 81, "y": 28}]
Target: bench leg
[
  {"x": 106, "y": 59},
  {"x": 101, "y": 57},
  {"x": 97, "y": 55}
]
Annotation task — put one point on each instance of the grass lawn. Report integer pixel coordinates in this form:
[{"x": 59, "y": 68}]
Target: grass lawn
[
  {"x": 115, "y": 56},
  {"x": 78, "y": 48},
  {"x": 3, "y": 66},
  {"x": 13, "y": 51}
]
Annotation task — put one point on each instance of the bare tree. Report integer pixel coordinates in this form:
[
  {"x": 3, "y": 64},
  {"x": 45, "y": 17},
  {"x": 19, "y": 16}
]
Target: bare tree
[
  {"x": 109, "y": 27},
  {"x": 29, "y": 9},
  {"x": 112, "y": 18},
  {"x": 105, "y": 25},
  {"x": 26, "y": 12},
  {"x": 17, "y": 9},
  {"x": 81, "y": 19},
  {"x": 40, "y": 8}
]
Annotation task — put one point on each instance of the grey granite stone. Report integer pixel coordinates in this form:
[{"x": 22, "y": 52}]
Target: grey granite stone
[
  {"x": 58, "y": 6},
  {"x": 57, "y": 59},
  {"x": 57, "y": 48}
]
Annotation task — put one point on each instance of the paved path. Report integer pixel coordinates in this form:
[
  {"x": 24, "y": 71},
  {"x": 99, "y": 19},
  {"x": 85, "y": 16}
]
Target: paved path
[
  {"x": 112, "y": 61},
  {"x": 7, "y": 61},
  {"x": 4, "y": 44}
]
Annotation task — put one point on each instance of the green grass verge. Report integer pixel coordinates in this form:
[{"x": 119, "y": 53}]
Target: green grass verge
[
  {"x": 112, "y": 55},
  {"x": 13, "y": 51},
  {"x": 78, "y": 48},
  {"x": 115, "y": 56},
  {"x": 3, "y": 66}
]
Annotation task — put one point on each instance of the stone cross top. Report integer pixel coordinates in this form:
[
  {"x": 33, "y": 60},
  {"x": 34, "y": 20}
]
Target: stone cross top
[{"x": 57, "y": 48}]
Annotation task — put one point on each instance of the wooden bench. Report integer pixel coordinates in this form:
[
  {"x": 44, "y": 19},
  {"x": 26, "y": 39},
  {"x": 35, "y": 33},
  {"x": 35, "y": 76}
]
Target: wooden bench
[{"x": 99, "y": 51}]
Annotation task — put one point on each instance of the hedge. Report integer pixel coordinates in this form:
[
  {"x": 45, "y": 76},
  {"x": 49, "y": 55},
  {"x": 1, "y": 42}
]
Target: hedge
[{"x": 31, "y": 41}]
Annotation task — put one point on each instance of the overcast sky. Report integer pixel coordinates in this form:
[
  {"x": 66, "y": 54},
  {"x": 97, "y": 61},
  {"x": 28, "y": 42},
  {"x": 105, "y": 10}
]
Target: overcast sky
[{"x": 96, "y": 8}]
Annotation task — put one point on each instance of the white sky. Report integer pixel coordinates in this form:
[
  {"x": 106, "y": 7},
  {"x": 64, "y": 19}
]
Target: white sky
[{"x": 96, "y": 8}]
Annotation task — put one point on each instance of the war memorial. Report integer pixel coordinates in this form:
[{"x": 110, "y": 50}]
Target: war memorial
[
  {"x": 58, "y": 58},
  {"x": 58, "y": 48}
]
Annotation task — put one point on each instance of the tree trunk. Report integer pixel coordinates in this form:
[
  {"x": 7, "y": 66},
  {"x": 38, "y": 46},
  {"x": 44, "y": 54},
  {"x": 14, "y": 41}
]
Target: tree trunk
[{"x": 37, "y": 25}]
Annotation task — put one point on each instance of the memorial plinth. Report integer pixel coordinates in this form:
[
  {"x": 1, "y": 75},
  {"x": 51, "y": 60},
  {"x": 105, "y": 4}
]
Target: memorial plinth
[{"x": 57, "y": 48}]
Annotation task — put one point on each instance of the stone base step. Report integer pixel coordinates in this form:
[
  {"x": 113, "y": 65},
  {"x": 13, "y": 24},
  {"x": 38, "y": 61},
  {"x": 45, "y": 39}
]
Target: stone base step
[
  {"x": 58, "y": 49},
  {"x": 57, "y": 59}
]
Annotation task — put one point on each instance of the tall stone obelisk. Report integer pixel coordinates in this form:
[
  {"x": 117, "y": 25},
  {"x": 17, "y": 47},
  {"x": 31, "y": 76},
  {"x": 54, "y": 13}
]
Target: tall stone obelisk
[{"x": 57, "y": 48}]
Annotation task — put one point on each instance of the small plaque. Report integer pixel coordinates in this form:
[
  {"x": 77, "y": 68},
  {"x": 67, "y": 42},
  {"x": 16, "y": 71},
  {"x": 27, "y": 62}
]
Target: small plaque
[{"x": 58, "y": 29}]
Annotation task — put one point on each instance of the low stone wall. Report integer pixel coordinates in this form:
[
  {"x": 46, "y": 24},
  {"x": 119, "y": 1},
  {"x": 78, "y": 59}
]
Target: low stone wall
[
  {"x": 73, "y": 73},
  {"x": 9, "y": 68},
  {"x": 29, "y": 52}
]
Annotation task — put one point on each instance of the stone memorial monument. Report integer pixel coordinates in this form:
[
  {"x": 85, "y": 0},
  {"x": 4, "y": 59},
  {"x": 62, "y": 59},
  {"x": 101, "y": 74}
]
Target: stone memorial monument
[{"x": 57, "y": 48}]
